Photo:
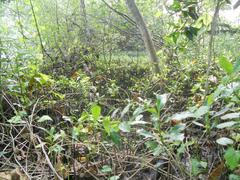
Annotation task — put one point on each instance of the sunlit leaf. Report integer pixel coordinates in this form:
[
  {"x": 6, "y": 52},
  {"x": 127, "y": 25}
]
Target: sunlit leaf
[
  {"x": 114, "y": 178},
  {"x": 15, "y": 119},
  {"x": 138, "y": 111},
  {"x": 182, "y": 115},
  {"x": 45, "y": 118},
  {"x": 125, "y": 126},
  {"x": 231, "y": 116},
  {"x": 106, "y": 169},
  {"x": 161, "y": 101},
  {"x": 125, "y": 110},
  {"x": 225, "y": 65},
  {"x": 207, "y": 19},
  {"x": 95, "y": 111},
  {"x": 107, "y": 125},
  {"x": 144, "y": 133},
  {"x": 224, "y": 141},
  {"x": 226, "y": 124},
  {"x": 201, "y": 111}
]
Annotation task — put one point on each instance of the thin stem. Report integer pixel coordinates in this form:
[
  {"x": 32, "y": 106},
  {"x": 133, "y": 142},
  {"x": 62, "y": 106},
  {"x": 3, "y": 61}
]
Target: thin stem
[{"x": 211, "y": 45}]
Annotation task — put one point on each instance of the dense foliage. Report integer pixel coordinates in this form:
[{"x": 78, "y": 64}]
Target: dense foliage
[{"x": 80, "y": 99}]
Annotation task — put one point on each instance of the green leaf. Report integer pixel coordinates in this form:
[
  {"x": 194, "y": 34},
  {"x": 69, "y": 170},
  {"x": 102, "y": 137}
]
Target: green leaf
[
  {"x": 207, "y": 19},
  {"x": 45, "y": 118},
  {"x": 15, "y": 119},
  {"x": 198, "y": 124},
  {"x": 116, "y": 138},
  {"x": 224, "y": 141},
  {"x": 75, "y": 133},
  {"x": 195, "y": 167},
  {"x": 151, "y": 145},
  {"x": 125, "y": 110},
  {"x": 125, "y": 126},
  {"x": 161, "y": 101},
  {"x": 114, "y": 178},
  {"x": 201, "y": 111},
  {"x": 106, "y": 169},
  {"x": 236, "y": 66},
  {"x": 175, "y": 136},
  {"x": 95, "y": 111},
  {"x": 138, "y": 111},
  {"x": 158, "y": 14},
  {"x": 232, "y": 158},
  {"x": 231, "y": 116},
  {"x": 176, "y": 6},
  {"x": 210, "y": 99},
  {"x": 158, "y": 150},
  {"x": 225, "y": 65},
  {"x": 107, "y": 125},
  {"x": 18, "y": 118},
  {"x": 152, "y": 110},
  {"x": 226, "y": 124},
  {"x": 144, "y": 133},
  {"x": 139, "y": 117},
  {"x": 182, "y": 115},
  {"x": 190, "y": 32},
  {"x": 234, "y": 177}
]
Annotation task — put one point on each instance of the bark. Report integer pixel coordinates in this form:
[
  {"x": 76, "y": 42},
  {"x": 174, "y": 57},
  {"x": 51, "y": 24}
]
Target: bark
[
  {"x": 236, "y": 4},
  {"x": 148, "y": 42},
  {"x": 211, "y": 45},
  {"x": 85, "y": 21}
]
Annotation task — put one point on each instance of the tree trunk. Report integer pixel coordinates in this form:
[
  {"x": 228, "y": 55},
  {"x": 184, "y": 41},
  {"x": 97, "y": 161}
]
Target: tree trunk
[
  {"x": 145, "y": 33},
  {"x": 85, "y": 22},
  {"x": 236, "y": 4}
]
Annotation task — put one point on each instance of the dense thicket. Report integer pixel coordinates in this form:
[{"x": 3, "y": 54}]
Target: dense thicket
[{"x": 115, "y": 89}]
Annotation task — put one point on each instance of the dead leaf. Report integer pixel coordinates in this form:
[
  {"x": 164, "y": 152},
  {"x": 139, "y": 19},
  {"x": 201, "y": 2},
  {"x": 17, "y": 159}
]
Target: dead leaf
[
  {"x": 15, "y": 174},
  {"x": 217, "y": 172}
]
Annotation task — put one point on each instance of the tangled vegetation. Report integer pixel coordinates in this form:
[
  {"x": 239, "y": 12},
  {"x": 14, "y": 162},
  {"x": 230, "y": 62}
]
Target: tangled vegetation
[{"x": 80, "y": 98}]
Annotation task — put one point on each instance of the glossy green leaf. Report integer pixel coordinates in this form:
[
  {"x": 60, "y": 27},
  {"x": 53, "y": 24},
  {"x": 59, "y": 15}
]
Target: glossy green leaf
[
  {"x": 231, "y": 116},
  {"x": 226, "y": 124},
  {"x": 45, "y": 118},
  {"x": 224, "y": 141},
  {"x": 144, "y": 133},
  {"x": 161, "y": 101},
  {"x": 201, "y": 111},
  {"x": 182, "y": 115},
  {"x": 125, "y": 126},
  {"x": 125, "y": 110}
]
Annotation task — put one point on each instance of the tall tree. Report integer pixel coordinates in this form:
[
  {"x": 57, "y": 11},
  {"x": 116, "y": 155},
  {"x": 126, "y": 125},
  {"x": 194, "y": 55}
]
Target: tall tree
[
  {"x": 85, "y": 21},
  {"x": 148, "y": 42}
]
